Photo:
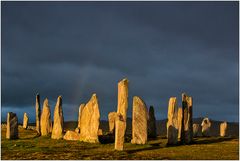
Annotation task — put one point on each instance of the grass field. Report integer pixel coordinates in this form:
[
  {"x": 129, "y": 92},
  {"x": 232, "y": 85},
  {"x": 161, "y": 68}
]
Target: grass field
[{"x": 28, "y": 146}]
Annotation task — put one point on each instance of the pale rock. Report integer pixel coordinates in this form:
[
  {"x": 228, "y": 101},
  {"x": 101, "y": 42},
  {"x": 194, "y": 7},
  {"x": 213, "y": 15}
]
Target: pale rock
[
  {"x": 12, "y": 126},
  {"x": 57, "y": 130},
  {"x": 45, "y": 119},
  {"x": 111, "y": 121},
  {"x": 79, "y": 115},
  {"x": 90, "y": 119},
  {"x": 139, "y": 121},
  {"x": 180, "y": 117},
  {"x": 25, "y": 120},
  {"x": 223, "y": 129},
  {"x": 196, "y": 130},
  {"x": 121, "y": 119},
  {"x": 100, "y": 132},
  {"x": 206, "y": 125},
  {"x": 172, "y": 123},
  {"x": 71, "y": 135}
]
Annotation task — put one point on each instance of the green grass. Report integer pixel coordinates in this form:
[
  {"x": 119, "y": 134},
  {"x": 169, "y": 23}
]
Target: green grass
[{"x": 28, "y": 146}]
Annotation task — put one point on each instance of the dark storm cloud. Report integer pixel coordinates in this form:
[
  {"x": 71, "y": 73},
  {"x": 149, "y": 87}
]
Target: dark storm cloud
[{"x": 74, "y": 49}]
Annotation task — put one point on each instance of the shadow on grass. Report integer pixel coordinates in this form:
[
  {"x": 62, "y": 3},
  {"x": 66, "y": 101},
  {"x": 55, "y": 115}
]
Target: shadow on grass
[
  {"x": 153, "y": 146},
  {"x": 212, "y": 140}
]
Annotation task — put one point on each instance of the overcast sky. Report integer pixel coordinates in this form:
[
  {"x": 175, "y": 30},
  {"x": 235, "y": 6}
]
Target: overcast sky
[{"x": 75, "y": 49}]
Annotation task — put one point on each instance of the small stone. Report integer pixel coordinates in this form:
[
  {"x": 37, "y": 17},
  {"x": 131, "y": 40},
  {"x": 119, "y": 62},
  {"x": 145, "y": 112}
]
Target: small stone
[
  {"x": 196, "y": 130},
  {"x": 206, "y": 125},
  {"x": 71, "y": 135},
  {"x": 12, "y": 126},
  {"x": 25, "y": 120},
  {"x": 223, "y": 129}
]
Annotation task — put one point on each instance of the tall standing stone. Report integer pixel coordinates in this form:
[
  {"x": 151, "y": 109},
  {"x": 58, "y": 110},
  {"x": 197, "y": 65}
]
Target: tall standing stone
[
  {"x": 206, "y": 125},
  {"x": 172, "y": 124},
  {"x": 90, "y": 119},
  {"x": 38, "y": 114},
  {"x": 180, "y": 117},
  {"x": 152, "y": 130},
  {"x": 187, "y": 131},
  {"x": 12, "y": 126},
  {"x": 139, "y": 121},
  {"x": 223, "y": 129},
  {"x": 111, "y": 121},
  {"x": 79, "y": 118},
  {"x": 45, "y": 119},
  {"x": 196, "y": 130},
  {"x": 121, "y": 119},
  {"x": 57, "y": 131},
  {"x": 25, "y": 120}
]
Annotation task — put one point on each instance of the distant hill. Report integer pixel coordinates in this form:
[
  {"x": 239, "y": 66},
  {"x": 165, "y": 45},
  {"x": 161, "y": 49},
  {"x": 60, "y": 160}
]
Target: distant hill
[{"x": 233, "y": 128}]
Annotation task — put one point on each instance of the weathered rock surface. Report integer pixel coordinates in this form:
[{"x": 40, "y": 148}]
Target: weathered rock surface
[
  {"x": 196, "y": 130},
  {"x": 180, "y": 117},
  {"x": 57, "y": 131},
  {"x": 45, "y": 119},
  {"x": 223, "y": 129},
  {"x": 38, "y": 114},
  {"x": 79, "y": 115},
  {"x": 71, "y": 135},
  {"x": 152, "y": 129},
  {"x": 12, "y": 126},
  {"x": 172, "y": 129},
  {"x": 25, "y": 120},
  {"x": 121, "y": 119},
  {"x": 111, "y": 121},
  {"x": 187, "y": 127},
  {"x": 206, "y": 125},
  {"x": 90, "y": 119},
  {"x": 139, "y": 121}
]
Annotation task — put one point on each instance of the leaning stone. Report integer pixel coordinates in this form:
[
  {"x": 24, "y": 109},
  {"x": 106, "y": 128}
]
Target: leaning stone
[
  {"x": 223, "y": 129},
  {"x": 12, "y": 126},
  {"x": 152, "y": 130},
  {"x": 57, "y": 131},
  {"x": 196, "y": 130},
  {"x": 38, "y": 114},
  {"x": 90, "y": 119},
  {"x": 172, "y": 130},
  {"x": 121, "y": 119},
  {"x": 71, "y": 135},
  {"x": 139, "y": 121},
  {"x": 180, "y": 117},
  {"x": 187, "y": 131},
  {"x": 111, "y": 121},
  {"x": 45, "y": 119},
  {"x": 25, "y": 120},
  {"x": 206, "y": 125}
]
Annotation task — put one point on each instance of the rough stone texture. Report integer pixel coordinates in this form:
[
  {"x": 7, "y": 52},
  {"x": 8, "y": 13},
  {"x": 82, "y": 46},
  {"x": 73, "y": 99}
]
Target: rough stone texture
[
  {"x": 100, "y": 132},
  {"x": 38, "y": 114},
  {"x": 223, "y": 129},
  {"x": 152, "y": 130},
  {"x": 25, "y": 120},
  {"x": 206, "y": 125},
  {"x": 172, "y": 130},
  {"x": 111, "y": 121},
  {"x": 12, "y": 126},
  {"x": 196, "y": 130},
  {"x": 45, "y": 119},
  {"x": 187, "y": 128},
  {"x": 139, "y": 121},
  {"x": 71, "y": 135},
  {"x": 180, "y": 117},
  {"x": 79, "y": 115},
  {"x": 121, "y": 119},
  {"x": 57, "y": 131},
  {"x": 90, "y": 119}
]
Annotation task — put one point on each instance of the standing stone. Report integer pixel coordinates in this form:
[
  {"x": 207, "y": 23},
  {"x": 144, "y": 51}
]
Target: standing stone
[
  {"x": 79, "y": 118},
  {"x": 111, "y": 121},
  {"x": 57, "y": 131},
  {"x": 121, "y": 119},
  {"x": 25, "y": 120},
  {"x": 38, "y": 114},
  {"x": 180, "y": 117},
  {"x": 172, "y": 130},
  {"x": 206, "y": 125},
  {"x": 139, "y": 121},
  {"x": 187, "y": 131},
  {"x": 196, "y": 130},
  {"x": 12, "y": 126},
  {"x": 45, "y": 119},
  {"x": 89, "y": 123},
  {"x": 152, "y": 130},
  {"x": 223, "y": 129}
]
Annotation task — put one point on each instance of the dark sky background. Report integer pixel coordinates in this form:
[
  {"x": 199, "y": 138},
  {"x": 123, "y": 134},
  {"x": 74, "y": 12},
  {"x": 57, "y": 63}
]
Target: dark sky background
[{"x": 74, "y": 49}]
